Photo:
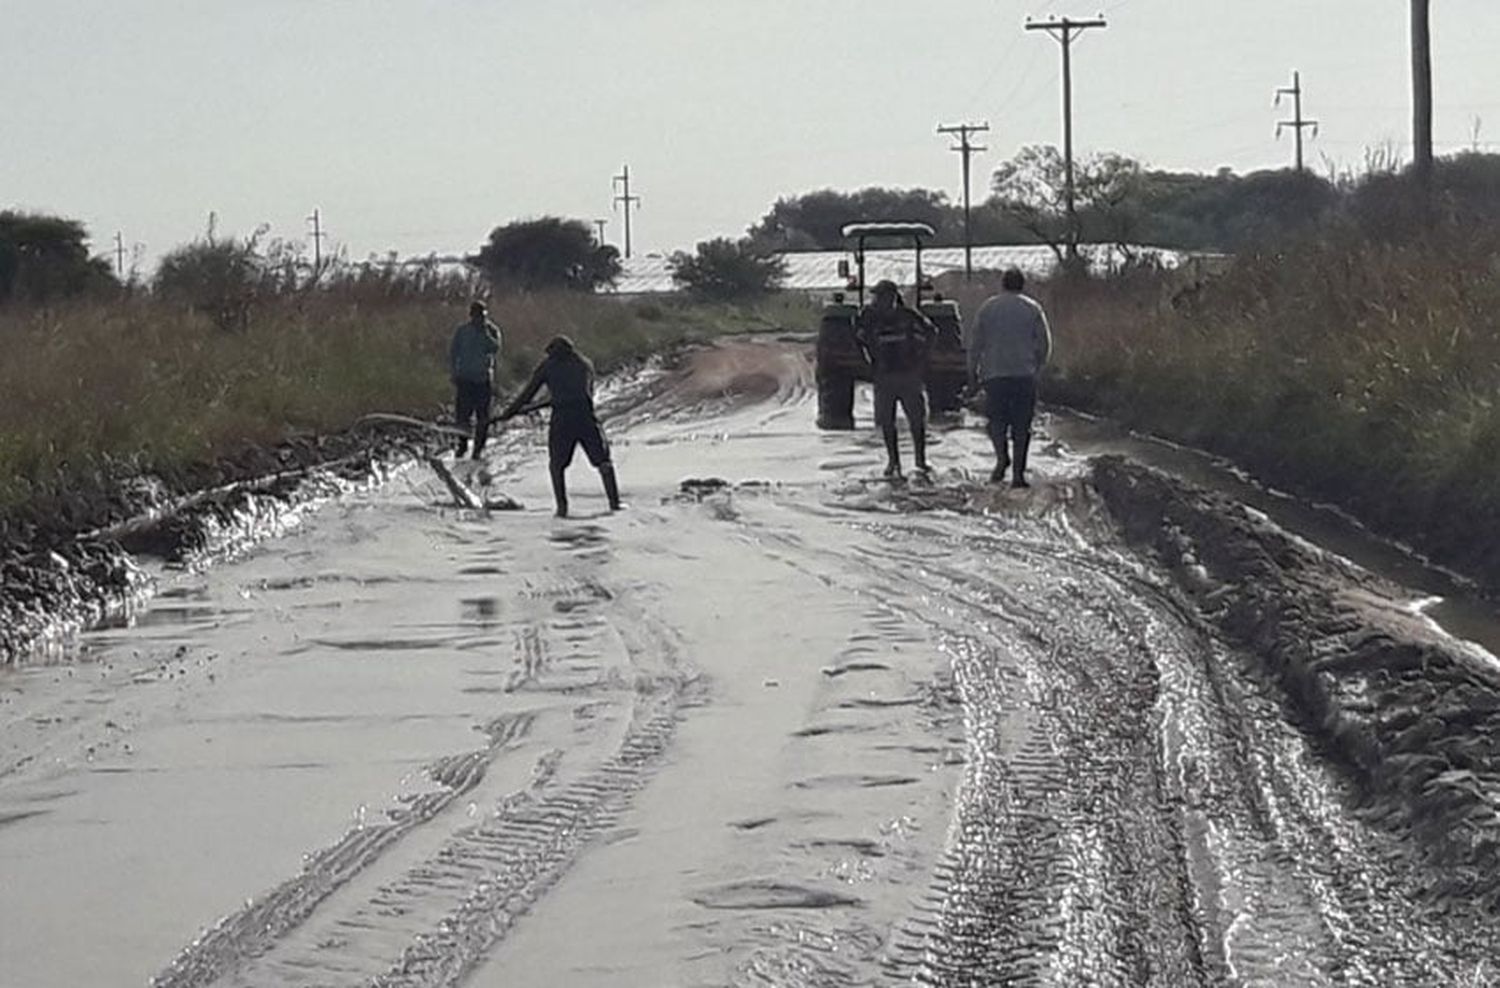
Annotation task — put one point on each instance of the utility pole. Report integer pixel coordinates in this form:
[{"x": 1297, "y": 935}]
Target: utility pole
[
  {"x": 120, "y": 255},
  {"x": 622, "y": 182},
  {"x": 1064, "y": 31},
  {"x": 601, "y": 224},
  {"x": 316, "y": 219},
  {"x": 1296, "y": 124},
  {"x": 968, "y": 150},
  {"x": 1421, "y": 77}
]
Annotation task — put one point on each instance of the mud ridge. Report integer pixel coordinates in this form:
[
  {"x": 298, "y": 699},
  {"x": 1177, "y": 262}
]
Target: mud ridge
[
  {"x": 70, "y": 562},
  {"x": 1411, "y": 714}
]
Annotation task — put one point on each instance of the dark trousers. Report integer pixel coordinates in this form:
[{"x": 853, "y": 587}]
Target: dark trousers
[
  {"x": 471, "y": 403},
  {"x": 1010, "y": 404},
  {"x": 569, "y": 430}
]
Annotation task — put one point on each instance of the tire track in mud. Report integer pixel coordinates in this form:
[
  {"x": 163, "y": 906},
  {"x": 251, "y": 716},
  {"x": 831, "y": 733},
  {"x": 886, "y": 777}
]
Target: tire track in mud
[
  {"x": 1287, "y": 884},
  {"x": 257, "y": 927},
  {"x": 433, "y": 916},
  {"x": 512, "y": 859},
  {"x": 1136, "y": 808}
]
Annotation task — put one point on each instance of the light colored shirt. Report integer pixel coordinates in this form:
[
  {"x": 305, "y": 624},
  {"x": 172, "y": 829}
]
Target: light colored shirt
[{"x": 1008, "y": 338}]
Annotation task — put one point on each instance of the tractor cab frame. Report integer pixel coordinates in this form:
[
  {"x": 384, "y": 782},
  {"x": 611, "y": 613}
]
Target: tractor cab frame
[
  {"x": 840, "y": 360},
  {"x": 858, "y": 235}
]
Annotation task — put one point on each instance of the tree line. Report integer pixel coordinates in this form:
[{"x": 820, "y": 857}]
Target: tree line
[{"x": 1119, "y": 201}]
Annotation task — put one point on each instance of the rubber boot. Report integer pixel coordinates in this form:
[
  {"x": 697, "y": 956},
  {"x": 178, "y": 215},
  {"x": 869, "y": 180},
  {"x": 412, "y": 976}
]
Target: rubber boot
[
  {"x": 1002, "y": 456},
  {"x": 481, "y": 437},
  {"x": 892, "y": 453},
  {"x": 919, "y": 450},
  {"x": 560, "y": 491},
  {"x": 611, "y": 486},
  {"x": 1023, "y": 447}
]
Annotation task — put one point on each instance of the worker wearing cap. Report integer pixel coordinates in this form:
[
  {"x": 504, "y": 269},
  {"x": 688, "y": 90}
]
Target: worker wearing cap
[
  {"x": 569, "y": 378},
  {"x": 471, "y": 364},
  {"x": 896, "y": 339}
]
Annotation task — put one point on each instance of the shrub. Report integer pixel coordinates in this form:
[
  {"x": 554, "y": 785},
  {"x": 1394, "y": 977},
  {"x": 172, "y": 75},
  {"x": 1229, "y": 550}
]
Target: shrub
[
  {"x": 218, "y": 278},
  {"x": 547, "y": 253},
  {"x": 724, "y": 270},
  {"x": 43, "y": 258}
]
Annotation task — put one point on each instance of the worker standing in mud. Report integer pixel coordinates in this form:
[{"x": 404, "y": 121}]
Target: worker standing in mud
[
  {"x": 569, "y": 378},
  {"x": 1008, "y": 347},
  {"x": 896, "y": 340},
  {"x": 471, "y": 364}
]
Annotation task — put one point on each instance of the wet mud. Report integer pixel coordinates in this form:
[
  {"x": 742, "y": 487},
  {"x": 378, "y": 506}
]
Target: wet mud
[
  {"x": 779, "y": 723},
  {"x": 1413, "y": 714},
  {"x": 74, "y": 560}
]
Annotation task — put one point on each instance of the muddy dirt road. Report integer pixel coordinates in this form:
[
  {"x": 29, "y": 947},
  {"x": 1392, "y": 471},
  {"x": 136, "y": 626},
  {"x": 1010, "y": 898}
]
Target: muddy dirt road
[{"x": 795, "y": 728}]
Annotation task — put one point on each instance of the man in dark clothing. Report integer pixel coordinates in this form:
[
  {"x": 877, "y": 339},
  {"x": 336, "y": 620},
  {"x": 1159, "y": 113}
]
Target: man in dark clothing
[
  {"x": 471, "y": 364},
  {"x": 569, "y": 378},
  {"x": 896, "y": 339},
  {"x": 1008, "y": 349}
]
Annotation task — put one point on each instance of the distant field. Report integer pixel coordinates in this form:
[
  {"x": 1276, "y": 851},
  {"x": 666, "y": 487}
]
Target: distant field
[{"x": 87, "y": 387}]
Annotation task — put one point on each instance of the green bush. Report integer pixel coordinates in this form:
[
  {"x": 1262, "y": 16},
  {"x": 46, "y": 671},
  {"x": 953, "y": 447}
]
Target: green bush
[
  {"x": 43, "y": 258},
  {"x": 724, "y": 270},
  {"x": 547, "y": 254}
]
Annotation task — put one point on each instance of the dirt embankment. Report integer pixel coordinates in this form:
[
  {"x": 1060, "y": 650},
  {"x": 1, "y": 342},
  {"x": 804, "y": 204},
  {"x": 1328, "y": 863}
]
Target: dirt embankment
[
  {"x": 1412, "y": 714},
  {"x": 68, "y": 560}
]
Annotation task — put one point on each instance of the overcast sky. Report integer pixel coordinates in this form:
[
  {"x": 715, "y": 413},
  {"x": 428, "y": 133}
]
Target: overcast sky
[{"x": 417, "y": 125}]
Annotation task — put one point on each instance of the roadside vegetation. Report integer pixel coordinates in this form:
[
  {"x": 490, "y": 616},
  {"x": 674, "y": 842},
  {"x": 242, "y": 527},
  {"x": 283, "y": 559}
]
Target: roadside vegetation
[
  {"x": 1348, "y": 348},
  {"x": 239, "y": 342},
  {"x": 1358, "y": 362}
]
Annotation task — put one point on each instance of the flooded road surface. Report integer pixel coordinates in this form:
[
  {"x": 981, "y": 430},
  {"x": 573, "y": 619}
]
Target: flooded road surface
[{"x": 784, "y": 726}]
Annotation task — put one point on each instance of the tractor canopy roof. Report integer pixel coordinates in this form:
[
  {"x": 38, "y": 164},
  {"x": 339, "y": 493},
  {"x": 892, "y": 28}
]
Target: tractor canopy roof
[{"x": 907, "y": 231}]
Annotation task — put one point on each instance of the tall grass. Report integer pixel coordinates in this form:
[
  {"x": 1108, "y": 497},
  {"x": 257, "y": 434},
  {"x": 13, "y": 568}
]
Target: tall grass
[
  {"x": 143, "y": 385},
  {"x": 1357, "y": 369}
]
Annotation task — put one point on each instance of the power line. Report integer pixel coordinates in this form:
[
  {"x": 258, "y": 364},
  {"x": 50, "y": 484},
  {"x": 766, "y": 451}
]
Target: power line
[
  {"x": 622, "y": 182},
  {"x": 967, "y": 150},
  {"x": 1297, "y": 124},
  {"x": 601, "y": 224},
  {"x": 1065, "y": 31}
]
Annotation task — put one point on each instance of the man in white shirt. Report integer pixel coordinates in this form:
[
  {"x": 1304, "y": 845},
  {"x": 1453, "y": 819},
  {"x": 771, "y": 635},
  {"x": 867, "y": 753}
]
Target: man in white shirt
[{"x": 1008, "y": 347}]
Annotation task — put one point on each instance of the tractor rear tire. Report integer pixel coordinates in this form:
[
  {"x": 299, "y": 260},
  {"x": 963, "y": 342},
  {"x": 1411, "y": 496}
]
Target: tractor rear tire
[{"x": 836, "y": 402}]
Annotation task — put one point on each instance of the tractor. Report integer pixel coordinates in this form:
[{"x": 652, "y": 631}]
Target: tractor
[{"x": 840, "y": 361}]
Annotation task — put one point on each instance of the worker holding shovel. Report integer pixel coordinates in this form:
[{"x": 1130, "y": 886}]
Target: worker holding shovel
[{"x": 569, "y": 378}]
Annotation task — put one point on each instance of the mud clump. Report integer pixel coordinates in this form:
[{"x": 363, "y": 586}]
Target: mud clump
[
  {"x": 67, "y": 556},
  {"x": 772, "y": 894},
  {"x": 59, "y": 590},
  {"x": 699, "y": 488},
  {"x": 1410, "y": 714}
]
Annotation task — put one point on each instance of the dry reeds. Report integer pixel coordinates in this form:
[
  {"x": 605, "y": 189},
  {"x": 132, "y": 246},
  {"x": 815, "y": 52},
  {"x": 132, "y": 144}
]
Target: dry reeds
[
  {"x": 1359, "y": 370},
  {"x": 140, "y": 384}
]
